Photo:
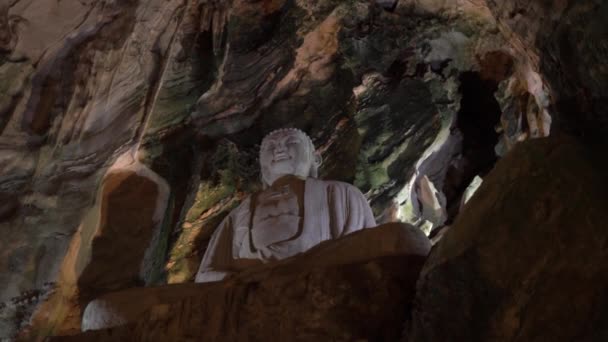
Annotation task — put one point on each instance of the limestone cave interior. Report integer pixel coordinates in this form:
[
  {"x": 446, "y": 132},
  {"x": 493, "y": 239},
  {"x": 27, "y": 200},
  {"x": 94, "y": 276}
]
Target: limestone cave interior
[{"x": 130, "y": 129}]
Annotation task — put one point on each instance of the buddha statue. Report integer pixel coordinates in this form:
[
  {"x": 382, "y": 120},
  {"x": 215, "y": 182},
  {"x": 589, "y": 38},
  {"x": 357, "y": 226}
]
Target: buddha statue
[{"x": 294, "y": 212}]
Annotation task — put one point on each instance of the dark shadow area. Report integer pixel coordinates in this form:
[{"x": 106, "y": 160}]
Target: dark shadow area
[{"x": 479, "y": 115}]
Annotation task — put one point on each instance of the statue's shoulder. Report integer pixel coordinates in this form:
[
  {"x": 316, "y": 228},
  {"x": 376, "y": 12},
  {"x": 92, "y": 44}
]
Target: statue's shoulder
[
  {"x": 340, "y": 186},
  {"x": 243, "y": 209},
  {"x": 336, "y": 183}
]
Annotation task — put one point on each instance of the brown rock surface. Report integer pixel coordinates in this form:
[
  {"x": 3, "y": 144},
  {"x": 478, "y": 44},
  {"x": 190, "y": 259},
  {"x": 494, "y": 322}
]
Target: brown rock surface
[
  {"x": 356, "y": 287},
  {"x": 81, "y": 82},
  {"x": 526, "y": 260},
  {"x": 190, "y": 87},
  {"x": 113, "y": 248},
  {"x": 563, "y": 41}
]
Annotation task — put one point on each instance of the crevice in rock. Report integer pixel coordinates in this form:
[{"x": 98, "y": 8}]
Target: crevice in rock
[
  {"x": 161, "y": 62},
  {"x": 53, "y": 83},
  {"x": 478, "y": 116},
  {"x": 6, "y": 112}
]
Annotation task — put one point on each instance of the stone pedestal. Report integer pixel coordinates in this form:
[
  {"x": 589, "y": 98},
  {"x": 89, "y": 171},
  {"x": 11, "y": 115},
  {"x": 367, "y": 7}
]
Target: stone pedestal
[{"x": 359, "y": 287}]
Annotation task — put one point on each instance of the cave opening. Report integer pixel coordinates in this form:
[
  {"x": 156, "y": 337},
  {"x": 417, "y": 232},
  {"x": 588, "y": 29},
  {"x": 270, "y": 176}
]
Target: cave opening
[
  {"x": 479, "y": 114},
  {"x": 477, "y": 120}
]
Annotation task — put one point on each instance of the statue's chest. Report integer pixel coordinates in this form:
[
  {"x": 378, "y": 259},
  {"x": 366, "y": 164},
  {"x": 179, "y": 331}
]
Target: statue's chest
[
  {"x": 272, "y": 203},
  {"x": 277, "y": 217}
]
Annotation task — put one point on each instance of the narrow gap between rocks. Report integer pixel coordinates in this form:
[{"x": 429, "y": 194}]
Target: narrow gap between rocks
[{"x": 478, "y": 117}]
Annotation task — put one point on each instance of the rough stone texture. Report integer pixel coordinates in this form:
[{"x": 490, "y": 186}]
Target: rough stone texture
[
  {"x": 357, "y": 287},
  {"x": 564, "y": 43},
  {"x": 115, "y": 246},
  {"x": 192, "y": 86},
  {"x": 526, "y": 260},
  {"x": 78, "y": 74},
  {"x": 182, "y": 83},
  {"x": 470, "y": 191}
]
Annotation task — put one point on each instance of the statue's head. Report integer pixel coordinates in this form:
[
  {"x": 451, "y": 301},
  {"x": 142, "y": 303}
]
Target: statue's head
[{"x": 288, "y": 151}]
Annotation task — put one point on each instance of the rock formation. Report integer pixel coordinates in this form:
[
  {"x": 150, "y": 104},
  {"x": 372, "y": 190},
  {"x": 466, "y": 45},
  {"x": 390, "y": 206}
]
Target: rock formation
[
  {"x": 526, "y": 259},
  {"x": 396, "y": 95},
  {"x": 357, "y": 287}
]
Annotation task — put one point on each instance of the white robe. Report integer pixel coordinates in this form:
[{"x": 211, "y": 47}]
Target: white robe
[{"x": 332, "y": 209}]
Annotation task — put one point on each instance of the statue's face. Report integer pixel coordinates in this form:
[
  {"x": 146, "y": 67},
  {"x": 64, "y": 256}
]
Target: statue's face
[{"x": 286, "y": 152}]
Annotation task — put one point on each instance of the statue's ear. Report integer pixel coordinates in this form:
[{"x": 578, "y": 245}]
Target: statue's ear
[{"x": 318, "y": 160}]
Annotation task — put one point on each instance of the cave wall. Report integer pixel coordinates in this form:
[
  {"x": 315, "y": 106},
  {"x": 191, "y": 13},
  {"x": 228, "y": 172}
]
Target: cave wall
[
  {"x": 565, "y": 42},
  {"x": 183, "y": 91}
]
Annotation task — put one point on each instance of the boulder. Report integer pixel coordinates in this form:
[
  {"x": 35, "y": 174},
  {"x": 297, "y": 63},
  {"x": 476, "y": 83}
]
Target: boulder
[{"x": 526, "y": 260}]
